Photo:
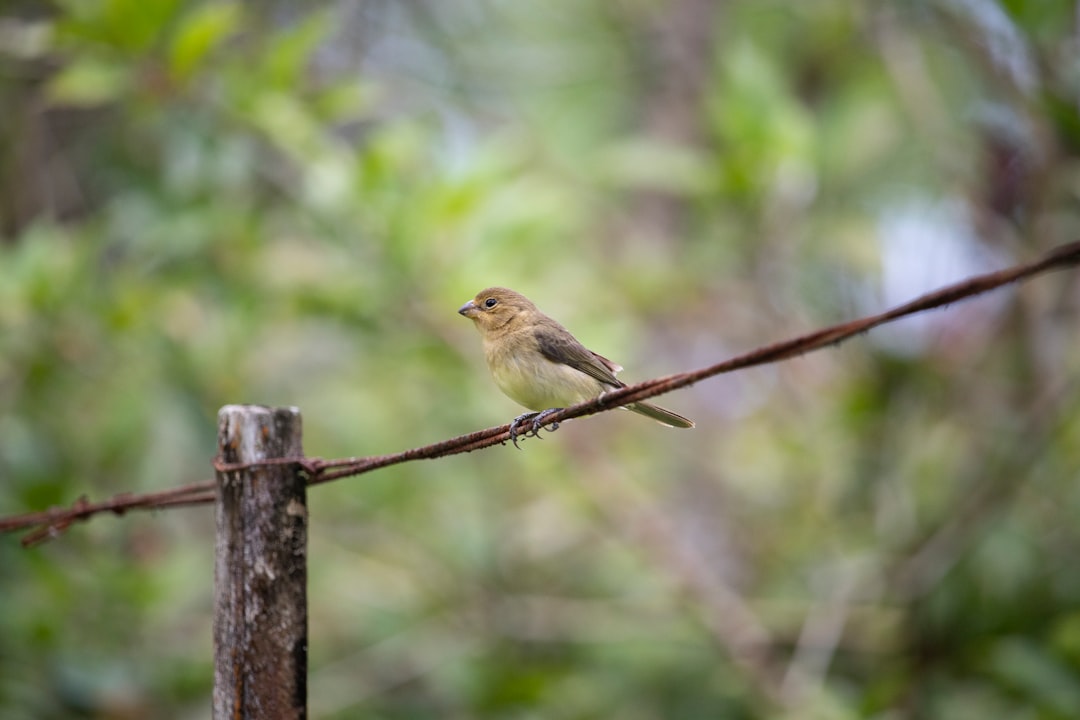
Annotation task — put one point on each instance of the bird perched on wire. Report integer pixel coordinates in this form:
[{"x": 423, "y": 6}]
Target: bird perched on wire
[{"x": 537, "y": 363}]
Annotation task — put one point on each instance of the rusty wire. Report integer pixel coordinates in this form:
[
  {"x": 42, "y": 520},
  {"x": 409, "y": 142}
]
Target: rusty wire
[{"x": 50, "y": 523}]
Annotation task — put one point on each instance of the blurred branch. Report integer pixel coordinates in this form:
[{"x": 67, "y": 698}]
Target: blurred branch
[
  {"x": 660, "y": 536},
  {"x": 821, "y": 631},
  {"x": 996, "y": 474},
  {"x": 54, "y": 521},
  {"x": 682, "y": 48}
]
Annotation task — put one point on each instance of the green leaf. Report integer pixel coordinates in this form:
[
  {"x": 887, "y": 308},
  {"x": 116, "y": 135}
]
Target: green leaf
[
  {"x": 287, "y": 56},
  {"x": 130, "y": 26},
  {"x": 199, "y": 34},
  {"x": 88, "y": 82}
]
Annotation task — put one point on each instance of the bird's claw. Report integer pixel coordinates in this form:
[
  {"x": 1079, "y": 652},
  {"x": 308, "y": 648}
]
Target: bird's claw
[
  {"x": 538, "y": 421},
  {"x": 516, "y": 423},
  {"x": 535, "y": 421}
]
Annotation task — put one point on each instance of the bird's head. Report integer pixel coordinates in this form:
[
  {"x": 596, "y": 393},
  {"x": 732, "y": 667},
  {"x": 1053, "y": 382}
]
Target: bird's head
[{"x": 496, "y": 308}]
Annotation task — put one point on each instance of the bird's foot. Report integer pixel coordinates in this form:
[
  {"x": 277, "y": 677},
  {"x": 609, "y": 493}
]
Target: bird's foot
[
  {"x": 538, "y": 421},
  {"x": 516, "y": 423},
  {"x": 535, "y": 421}
]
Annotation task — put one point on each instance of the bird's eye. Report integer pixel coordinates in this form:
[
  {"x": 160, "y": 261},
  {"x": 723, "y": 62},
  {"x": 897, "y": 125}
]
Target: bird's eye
[{"x": 490, "y": 303}]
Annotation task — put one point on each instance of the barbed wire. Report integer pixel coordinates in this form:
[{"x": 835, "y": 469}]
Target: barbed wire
[{"x": 51, "y": 523}]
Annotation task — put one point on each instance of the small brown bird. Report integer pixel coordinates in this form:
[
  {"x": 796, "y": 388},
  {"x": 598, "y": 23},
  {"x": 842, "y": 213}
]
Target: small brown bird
[{"x": 537, "y": 363}]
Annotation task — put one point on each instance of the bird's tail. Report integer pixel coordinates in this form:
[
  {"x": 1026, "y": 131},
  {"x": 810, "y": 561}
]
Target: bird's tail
[{"x": 660, "y": 415}]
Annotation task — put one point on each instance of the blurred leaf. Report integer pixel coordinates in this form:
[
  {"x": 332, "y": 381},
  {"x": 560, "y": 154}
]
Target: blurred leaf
[
  {"x": 286, "y": 57},
  {"x": 650, "y": 165},
  {"x": 88, "y": 83},
  {"x": 131, "y": 26},
  {"x": 1043, "y": 680},
  {"x": 1066, "y": 638},
  {"x": 200, "y": 33},
  {"x": 762, "y": 126},
  {"x": 345, "y": 102}
]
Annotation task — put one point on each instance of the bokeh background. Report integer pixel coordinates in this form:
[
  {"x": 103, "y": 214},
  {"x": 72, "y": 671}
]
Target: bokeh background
[{"x": 205, "y": 203}]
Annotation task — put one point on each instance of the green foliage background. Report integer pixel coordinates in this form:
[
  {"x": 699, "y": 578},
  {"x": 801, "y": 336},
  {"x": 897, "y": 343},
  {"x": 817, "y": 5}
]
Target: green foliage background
[{"x": 205, "y": 203}]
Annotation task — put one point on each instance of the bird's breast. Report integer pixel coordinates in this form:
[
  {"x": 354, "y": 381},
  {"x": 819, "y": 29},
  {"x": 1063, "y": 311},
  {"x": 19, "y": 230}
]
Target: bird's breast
[{"x": 531, "y": 380}]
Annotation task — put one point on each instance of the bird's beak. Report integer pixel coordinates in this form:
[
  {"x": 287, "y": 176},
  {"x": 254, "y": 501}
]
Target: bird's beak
[{"x": 469, "y": 309}]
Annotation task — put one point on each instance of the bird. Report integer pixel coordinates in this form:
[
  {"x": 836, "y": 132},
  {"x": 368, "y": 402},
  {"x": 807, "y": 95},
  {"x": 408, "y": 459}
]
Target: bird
[{"x": 538, "y": 364}]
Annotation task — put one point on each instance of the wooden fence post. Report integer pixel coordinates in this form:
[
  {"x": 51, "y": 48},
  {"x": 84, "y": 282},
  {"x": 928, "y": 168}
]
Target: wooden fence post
[{"x": 260, "y": 568}]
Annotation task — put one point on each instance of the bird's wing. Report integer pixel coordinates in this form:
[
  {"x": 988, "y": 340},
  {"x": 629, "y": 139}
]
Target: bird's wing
[{"x": 560, "y": 346}]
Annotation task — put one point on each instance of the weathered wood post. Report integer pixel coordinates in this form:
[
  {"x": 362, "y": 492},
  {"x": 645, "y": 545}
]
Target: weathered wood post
[{"x": 260, "y": 568}]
